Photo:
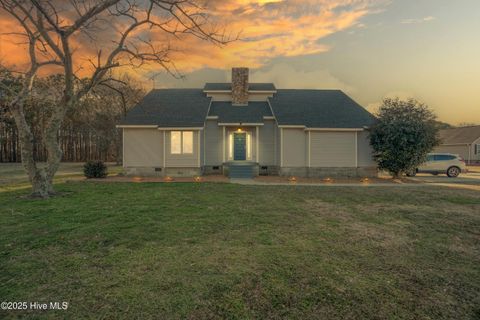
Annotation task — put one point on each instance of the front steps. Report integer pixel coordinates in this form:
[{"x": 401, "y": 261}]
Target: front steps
[{"x": 242, "y": 170}]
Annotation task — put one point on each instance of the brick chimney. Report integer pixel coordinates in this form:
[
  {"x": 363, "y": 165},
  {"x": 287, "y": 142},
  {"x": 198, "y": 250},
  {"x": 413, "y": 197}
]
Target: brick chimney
[{"x": 239, "y": 86}]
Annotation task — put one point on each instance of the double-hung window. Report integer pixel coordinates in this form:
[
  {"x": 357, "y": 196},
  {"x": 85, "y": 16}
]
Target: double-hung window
[{"x": 181, "y": 142}]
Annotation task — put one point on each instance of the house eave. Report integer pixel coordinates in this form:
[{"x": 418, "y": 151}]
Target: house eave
[
  {"x": 245, "y": 124},
  {"x": 180, "y": 128},
  {"x": 456, "y": 144},
  {"x": 135, "y": 126},
  {"x": 335, "y": 129}
]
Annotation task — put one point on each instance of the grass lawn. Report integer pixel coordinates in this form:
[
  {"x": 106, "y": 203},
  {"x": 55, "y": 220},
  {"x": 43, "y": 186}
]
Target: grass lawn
[
  {"x": 224, "y": 251},
  {"x": 13, "y": 176}
]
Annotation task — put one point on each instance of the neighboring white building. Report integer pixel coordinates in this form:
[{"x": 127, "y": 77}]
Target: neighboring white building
[
  {"x": 244, "y": 129},
  {"x": 463, "y": 141}
]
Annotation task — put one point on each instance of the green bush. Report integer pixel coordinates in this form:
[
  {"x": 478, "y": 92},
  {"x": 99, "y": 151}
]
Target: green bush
[
  {"x": 95, "y": 169},
  {"x": 404, "y": 133}
]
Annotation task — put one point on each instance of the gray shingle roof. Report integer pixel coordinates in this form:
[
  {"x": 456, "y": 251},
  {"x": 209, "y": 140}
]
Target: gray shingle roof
[
  {"x": 465, "y": 135},
  {"x": 310, "y": 108},
  {"x": 319, "y": 109},
  {"x": 228, "y": 87},
  {"x": 253, "y": 113},
  {"x": 170, "y": 108}
]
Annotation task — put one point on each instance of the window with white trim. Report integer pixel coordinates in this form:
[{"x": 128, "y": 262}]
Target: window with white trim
[
  {"x": 181, "y": 142},
  {"x": 477, "y": 149}
]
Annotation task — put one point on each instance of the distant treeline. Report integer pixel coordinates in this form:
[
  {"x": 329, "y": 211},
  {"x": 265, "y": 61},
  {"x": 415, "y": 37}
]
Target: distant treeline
[
  {"x": 78, "y": 145},
  {"x": 87, "y": 133}
]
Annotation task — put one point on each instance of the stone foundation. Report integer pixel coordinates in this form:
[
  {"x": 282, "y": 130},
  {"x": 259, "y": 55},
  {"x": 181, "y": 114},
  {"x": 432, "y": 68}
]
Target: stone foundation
[
  {"x": 305, "y": 172},
  {"x": 162, "y": 172},
  {"x": 268, "y": 170},
  {"x": 257, "y": 170},
  {"x": 183, "y": 172},
  {"x": 212, "y": 170},
  {"x": 144, "y": 171}
]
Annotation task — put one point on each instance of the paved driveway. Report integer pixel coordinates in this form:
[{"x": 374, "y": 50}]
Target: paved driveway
[{"x": 469, "y": 180}]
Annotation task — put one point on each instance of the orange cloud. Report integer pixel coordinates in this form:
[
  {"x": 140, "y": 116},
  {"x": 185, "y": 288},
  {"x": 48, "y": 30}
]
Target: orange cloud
[{"x": 267, "y": 28}]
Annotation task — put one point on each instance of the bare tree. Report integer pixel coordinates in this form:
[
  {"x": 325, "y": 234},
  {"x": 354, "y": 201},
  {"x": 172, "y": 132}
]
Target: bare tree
[{"x": 52, "y": 29}]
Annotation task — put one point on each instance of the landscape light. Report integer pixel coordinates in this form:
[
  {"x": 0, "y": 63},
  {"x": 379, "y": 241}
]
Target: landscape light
[
  {"x": 328, "y": 180},
  {"x": 292, "y": 179},
  {"x": 168, "y": 179},
  {"x": 197, "y": 179}
]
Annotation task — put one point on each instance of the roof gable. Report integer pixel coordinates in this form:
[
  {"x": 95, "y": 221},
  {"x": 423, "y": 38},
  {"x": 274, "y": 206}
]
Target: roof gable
[
  {"x": 252, "y": 113},
  {"x": 464, "y": 135},
  {"x": 170, "y": 108}
]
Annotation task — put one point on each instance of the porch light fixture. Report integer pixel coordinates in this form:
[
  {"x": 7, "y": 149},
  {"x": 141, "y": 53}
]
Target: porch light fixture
[{"x": 239, "y": 130}]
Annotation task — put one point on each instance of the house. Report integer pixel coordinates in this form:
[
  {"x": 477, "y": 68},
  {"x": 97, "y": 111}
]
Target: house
[
  {"x": 463, "y": 141},
  {"x": 242, "y": 129}
]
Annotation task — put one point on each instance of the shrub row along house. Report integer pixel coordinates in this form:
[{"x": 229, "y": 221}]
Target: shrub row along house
[{"x": 243, "y": 129}]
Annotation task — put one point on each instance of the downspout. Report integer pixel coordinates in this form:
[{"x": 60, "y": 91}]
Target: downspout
[{"x": 469, "y": 154}]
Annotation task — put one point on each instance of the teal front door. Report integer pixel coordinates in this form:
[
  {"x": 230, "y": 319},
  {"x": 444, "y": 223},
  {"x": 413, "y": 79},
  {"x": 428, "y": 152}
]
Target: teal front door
[{"x": 239, "y": 146}]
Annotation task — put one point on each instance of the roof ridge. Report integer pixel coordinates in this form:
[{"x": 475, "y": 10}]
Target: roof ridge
[
  {"x": 297, "y": 89},
  {"x": 158, "y": 89}
]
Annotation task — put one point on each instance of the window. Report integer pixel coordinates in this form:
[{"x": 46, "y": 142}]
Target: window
[
  {"x": 443, "y": 157},
  {"x": 477, "y": 149},
  {"x": 230, "y": 146},
  {"x": 176, "y": 142},
  {"x": 187, "y": 142},
  {"x": 181, "y": 142},
  {"x": 249, "y": 146}
]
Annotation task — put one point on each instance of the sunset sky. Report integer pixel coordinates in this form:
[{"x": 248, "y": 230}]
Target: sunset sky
[{"x": 371, "y": 49}]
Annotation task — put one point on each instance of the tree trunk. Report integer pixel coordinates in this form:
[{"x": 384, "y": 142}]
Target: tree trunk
[
  {"x": 37, "y": 176},
  {"x": 54, "y": 151}
]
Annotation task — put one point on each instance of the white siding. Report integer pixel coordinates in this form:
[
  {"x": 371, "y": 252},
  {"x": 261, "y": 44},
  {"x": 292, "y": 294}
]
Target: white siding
[
  {"x": 365, "y": 151},
  {"x": 213, "y": 144},
  {"x": 332, "y": 149},
  {"x": 259, "y": 96},
  {"x": 294, "y": 148},
  {"x": 266, "y": 146},
  {"x": 277, "y": 145},
  {"x": 142, "y": 148},
  {"x": 472, "y": 150},
  {"x": 252, "y": 96},
  {"x": 466, "y": 152},
  {"x": 460, "y": 150}
]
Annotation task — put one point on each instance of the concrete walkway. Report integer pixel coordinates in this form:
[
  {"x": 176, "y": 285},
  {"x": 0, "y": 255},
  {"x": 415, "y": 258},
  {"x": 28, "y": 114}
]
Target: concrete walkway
[
  {"x": 324, "y": 184},
  {"x": 365, "y": 185}
]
